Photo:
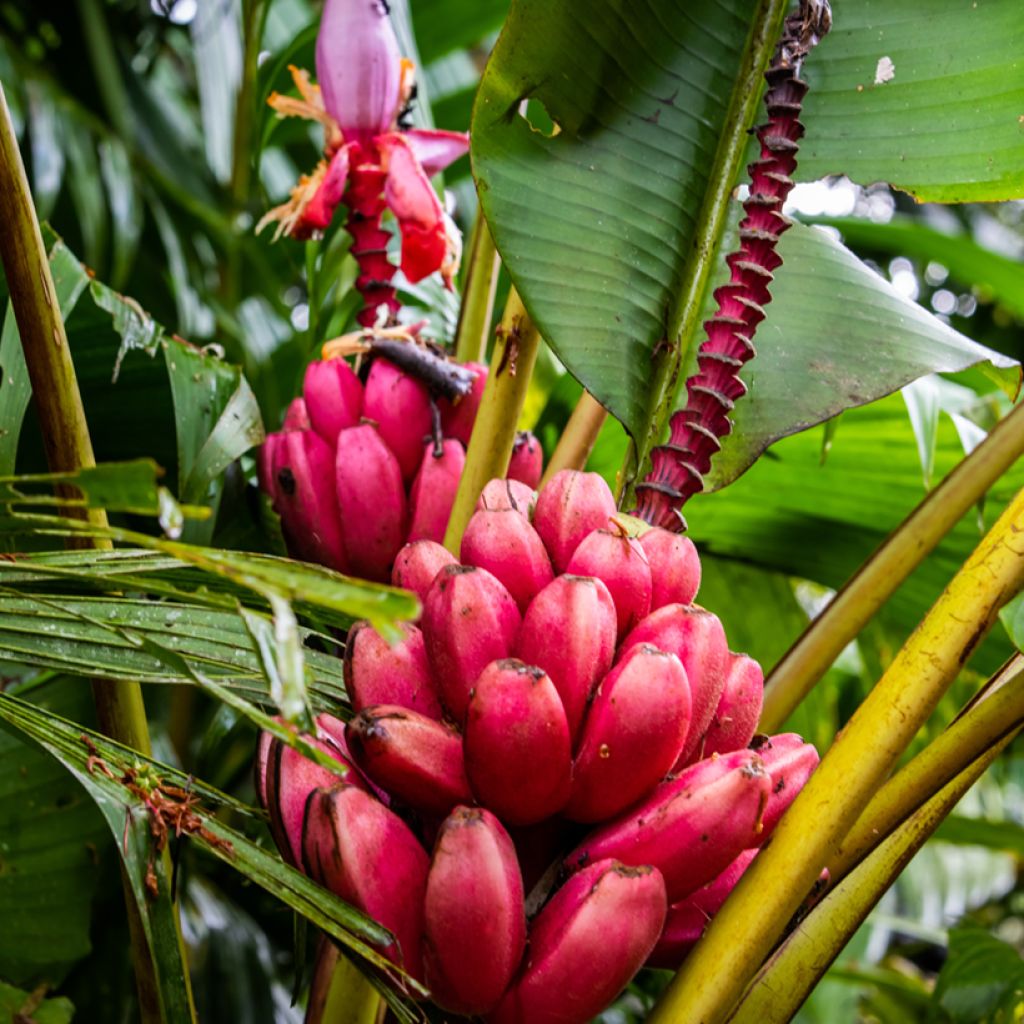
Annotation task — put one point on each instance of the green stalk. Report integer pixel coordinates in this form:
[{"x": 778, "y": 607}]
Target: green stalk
[
  {"x": 119, "y": 706},
  {"x": 339, "y": 992},
  {"x": 478, "y": 296},
  {"x": 490, "y": 447},
  {"x": 811, "y": 832},
  {"x": 783, "y": 984},
  {"x": 578, "y": 437},
  {"x": 986, "y": 723},
  {"x": 103, "y": 58},
  {"x": 253, "y": 13},
  {"x": 854, "y": 606},
  {"x": 684, "y": 320}
]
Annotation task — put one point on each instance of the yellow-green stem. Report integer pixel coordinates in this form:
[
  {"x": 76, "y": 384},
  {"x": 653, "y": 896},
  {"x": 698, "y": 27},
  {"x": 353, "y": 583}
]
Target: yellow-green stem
[
  {"x": 854, "y": 606},
  {"x": 339, "y": 992},
  {"x": 120, "y": 710},
  {"x": 478, "y": 295},
  {"x": 684, "y": 318},
  {"x": 786, "y": 980},
  {"x": 578, "y": 437},
  {"x": 998, "y": 714},
  {"x": 810, "y": 834},
  {"x": 490, "y": 447}
]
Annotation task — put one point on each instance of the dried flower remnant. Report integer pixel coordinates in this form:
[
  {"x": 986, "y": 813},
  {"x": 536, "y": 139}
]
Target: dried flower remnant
[{"x": 371, "y": 162}]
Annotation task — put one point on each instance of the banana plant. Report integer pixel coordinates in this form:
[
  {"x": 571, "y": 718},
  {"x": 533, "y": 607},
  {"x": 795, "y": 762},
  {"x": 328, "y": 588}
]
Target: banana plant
[{"x": 671, "y": 323}]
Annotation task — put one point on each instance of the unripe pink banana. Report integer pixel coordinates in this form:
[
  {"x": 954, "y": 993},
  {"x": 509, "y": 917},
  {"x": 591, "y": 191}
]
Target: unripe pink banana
[
  {"x": 688, "y": 919},
  {"x": 377, "y": 672},
  {"x": 433, "y": 491},
  {"x": 285, "y": 778},
  {"x": 457, "y": 419},
  {"x": 513, "y": 494},
  {"x": 569, "y": 506},
  {"x": 414, "y": 758},
  {"x": 586, "y": 945},
  {"x": 469, "y": 620},
  {"x": 418, "y": 563},
  {"x": 527, "y": 461},
  {"x": 364, "y": 853},
  {"x": 690, "y": 827},
  {"x": 475, "y": 922},
  {"x": 632, "y": 735},
  {"x": 621, "y": 564},
  {"x": 371, "y": 498},
  {"x": 739, "y": 708},
  {"x": 334, "y": 397},
  {"x": 504, "y": 543},
  {"x": 400, "y": 407},
  {"x": 301, "y": 471},
  {"x": 516, "y": 743},
  {"x": 297, "y": 416},
  {"x": 675, "y": 567},
  {"x": 569, "y": 631},
  {"x": 697, "y": 639},
  {"x": 790, "y": 762}
]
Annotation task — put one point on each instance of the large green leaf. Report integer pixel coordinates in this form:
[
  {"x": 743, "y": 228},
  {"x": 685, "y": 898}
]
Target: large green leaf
[
  {"x": 837, "y": 335},
  {"x": 982, "y": 980},
  {"x": 49, "y": 863},
  {"x": 596, "y": 222},
  {"x": 947, "y": 126}
]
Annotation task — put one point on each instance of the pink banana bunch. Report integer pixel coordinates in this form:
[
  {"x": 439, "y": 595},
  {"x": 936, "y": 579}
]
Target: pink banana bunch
[
  {"x": 362, "y": 467},
  {"x": 571, "y": 738}
]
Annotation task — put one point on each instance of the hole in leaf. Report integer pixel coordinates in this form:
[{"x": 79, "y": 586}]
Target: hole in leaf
[{"x": 536, "y": 115}]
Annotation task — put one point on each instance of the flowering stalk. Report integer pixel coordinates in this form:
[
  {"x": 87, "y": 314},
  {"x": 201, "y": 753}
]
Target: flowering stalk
[
  {"x": 678, "y": 467},
  {"x": 371, "y": 161}
]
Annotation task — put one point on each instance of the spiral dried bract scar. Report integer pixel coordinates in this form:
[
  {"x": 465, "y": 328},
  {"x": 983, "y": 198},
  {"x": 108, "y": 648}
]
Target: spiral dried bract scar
[{"x": 695, "y": 431}]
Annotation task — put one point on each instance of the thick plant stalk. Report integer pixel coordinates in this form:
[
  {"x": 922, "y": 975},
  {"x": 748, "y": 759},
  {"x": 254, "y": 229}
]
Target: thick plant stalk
[
  {"x": 782, "y": 985},
  {"x": 490, "y": 446},
  {"x": 854, "y": 606},
  {"x": 578, "y": 437},
  {"x": 811, "y": 833},
  {"x": 997, "y": 714},
  {"x": 684, "y": 317},
  {"x": 678, "y": 467},
  {"x": 340, "y": 993},
  {"x": 119, "y": 706},
  {"x": 478, "y": 295}
]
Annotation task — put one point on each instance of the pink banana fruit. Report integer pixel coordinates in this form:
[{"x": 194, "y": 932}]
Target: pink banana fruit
[
  {"x": 475, "y": 922},
  {"x": 632, "y": 735},
  {"x": 285, "y": 778},
  {"x": 790, "y": 762},
  {"x": 690, "y": 827},
  {"x": 416, "y": 759},
  {"x": 513, "y": 494},
  {"x": 697, "y": 639},
  {"x": 569, "y": 631},
  {"x": 688, "y": 919},
  {"x": 675, "y": 567},
  {"x": 399, "y": 405},
  {"x": 333, "y": 396},
  {"x": 457, "y": 419},
  {"x": 364, "y": 853},
  {"x": 527, "y": 461},
  {"x": 418, "y": 563},
  {"x": 371, "y": 500},
  {"x": 569, "y": 506},
  {"x": 300, "y": 469},
  {"x": 296, "y": 417},
  {"x": 586, "y": 945},
  {"x": 621, "y": 564},
  {"x": 469, "y": 620},
  {"x": 739, "y": 708},
  {"x": 433, "y": 491},
  {"x": 377, "y": 672},
  {"x": 516, "y": 743},
  {"x": 505, "y": 544}
]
